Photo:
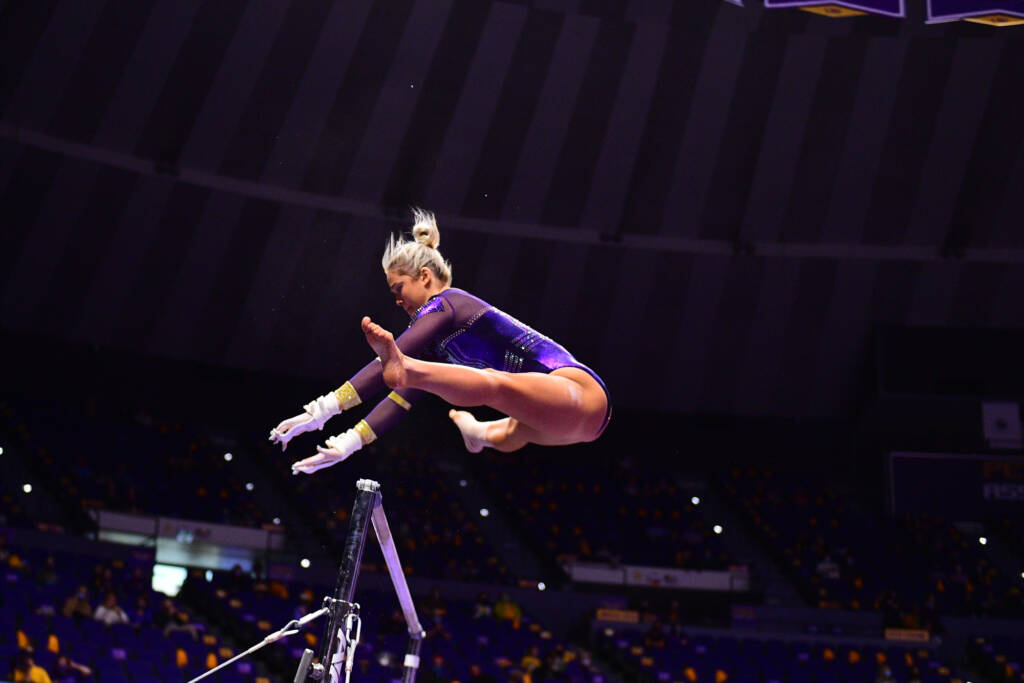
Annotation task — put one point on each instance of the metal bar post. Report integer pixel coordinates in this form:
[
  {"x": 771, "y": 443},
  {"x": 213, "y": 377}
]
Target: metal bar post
[
  {"x": 394, "y": 565},
  {"x": 333, "y": 654}
]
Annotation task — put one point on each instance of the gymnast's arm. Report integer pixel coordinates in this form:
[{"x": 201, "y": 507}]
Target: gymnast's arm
[
  {"x": 433, "y": 321},
  {"x": 383, "y": 417}
]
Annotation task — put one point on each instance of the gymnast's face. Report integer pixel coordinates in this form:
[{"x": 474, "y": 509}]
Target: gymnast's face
[{"x": 411, "y": 292}]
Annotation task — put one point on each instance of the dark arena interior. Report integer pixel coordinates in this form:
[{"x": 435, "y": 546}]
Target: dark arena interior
[{"x": 785, "y": 236}]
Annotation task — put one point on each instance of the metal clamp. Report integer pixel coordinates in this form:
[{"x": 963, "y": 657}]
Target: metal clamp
[{"x": 352, "y": 623}]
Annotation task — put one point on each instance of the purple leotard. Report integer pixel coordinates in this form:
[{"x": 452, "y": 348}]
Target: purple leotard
[{"x": 456, "y": 327}]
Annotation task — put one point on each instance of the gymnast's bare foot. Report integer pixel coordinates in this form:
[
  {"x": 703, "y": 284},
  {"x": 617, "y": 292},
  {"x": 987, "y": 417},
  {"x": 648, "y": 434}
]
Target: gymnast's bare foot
[
  {"x": 474, "y": 433},
  {"x": 391, "y": 358}
]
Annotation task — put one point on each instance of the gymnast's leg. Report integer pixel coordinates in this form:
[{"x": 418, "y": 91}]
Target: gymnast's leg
[
  {"x": 561, "y": 407},
  {"x": 506, "y": 435}
]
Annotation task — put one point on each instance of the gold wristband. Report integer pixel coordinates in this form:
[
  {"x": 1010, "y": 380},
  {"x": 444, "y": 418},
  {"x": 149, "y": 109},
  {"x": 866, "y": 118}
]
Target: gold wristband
[
  {"x": 365, "y": 432},
  {"x": 347, "y": 396},
  {"x": 400, "y": 400}
]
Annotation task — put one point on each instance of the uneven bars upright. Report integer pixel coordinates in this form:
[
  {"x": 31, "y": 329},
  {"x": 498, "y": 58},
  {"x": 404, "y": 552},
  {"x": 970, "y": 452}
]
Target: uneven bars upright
[
  {"x": 367, "y": 507},
  {"x": 367, "y": 498},
  {"x": 416, "y": 634}
]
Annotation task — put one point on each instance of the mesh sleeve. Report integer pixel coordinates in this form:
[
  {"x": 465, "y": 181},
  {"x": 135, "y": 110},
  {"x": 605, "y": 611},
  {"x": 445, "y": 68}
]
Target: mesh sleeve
[
  {"x": 391, "y": 410},
  {"x": 434, "y": 320}
]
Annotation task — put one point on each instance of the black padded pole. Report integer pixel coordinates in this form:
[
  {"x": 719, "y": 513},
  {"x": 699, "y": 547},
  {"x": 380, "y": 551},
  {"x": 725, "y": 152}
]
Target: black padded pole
[{"x": 367, "y": 497}]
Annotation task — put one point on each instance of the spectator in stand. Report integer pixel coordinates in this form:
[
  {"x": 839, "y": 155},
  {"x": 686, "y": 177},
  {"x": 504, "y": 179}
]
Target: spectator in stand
[
  {"x": 436, "y": 672},
  {"x": 452, "y": 570},
  {"x": 604, "y": 554},
  {"x": 238, "y": 581},
  {"x": 110, "y": 613},
  {"x": 68, "y": 671},
  {"x": 828, "y": 569},
  {"x": 138, "y": 582},
  {"x": 47, "y": 574},
  {"x": 476, "y": 675},
  {"x": 140, "y": 613},
  {"x": 655, "y": 637},
  {"x": 25, "y": 669},
  {"x": 884, "y": 674},
  {"x": 556, "y": 661},
  {"x": 170, "y": 618},
  {"x": 103, "y": 579},
  {"x": 507, "y": 610},
  {"x": 531, "y": 660},
  {"x": 393, "y": 624},
  {"x": 436, "y": 627},
  {"x": 482, "y": 608},
  {"x": 889, "y": 604},
  {"x": 433, "y": 604},
  {"x": 8, "y": 558},
  {"x": 78, "y": 604}
]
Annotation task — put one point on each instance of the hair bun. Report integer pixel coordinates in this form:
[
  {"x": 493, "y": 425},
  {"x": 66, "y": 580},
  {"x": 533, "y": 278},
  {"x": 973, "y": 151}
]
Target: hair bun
[{"x": 425, "y": 229}]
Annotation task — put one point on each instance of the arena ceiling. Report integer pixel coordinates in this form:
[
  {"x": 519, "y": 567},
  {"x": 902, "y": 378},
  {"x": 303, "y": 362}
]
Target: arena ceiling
[{"x": 713, "y": 206}]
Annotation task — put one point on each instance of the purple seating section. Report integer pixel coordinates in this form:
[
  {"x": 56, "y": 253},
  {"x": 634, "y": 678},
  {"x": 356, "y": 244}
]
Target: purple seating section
[
  {"x": 704, "y": 659},
  {"x": 100, "y": 469},
  {"x": 591, "y": 512},
  {"x": 456, "y": 640},
  {"x": 1000, "y": 659},
  {"x": 437, "y": 537},
  {"x": 123, "y": 653},
  {"x": 916, "y": 568},
  {"x": 142, "y": 653}
]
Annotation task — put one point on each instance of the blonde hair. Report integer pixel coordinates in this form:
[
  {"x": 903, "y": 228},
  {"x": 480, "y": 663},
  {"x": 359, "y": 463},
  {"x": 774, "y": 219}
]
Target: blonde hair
[{"x": 407, "y": 257}]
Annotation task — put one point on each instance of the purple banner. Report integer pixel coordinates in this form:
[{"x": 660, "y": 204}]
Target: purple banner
[
  {"x": 951, "y": 10},
  {"x": 889, "y": 8}
]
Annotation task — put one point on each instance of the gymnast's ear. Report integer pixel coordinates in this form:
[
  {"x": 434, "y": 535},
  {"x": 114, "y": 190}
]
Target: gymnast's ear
[{"x": 426, "y": 274}]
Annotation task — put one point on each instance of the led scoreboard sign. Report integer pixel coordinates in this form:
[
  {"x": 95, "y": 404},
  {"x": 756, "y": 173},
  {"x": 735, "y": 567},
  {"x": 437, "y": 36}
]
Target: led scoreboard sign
[
  {"x": 992, "y": 12},
  {"x": 961, "y": 487},
  {"x": 840, "y": 8},
  {"x": 844, "y": 7},
  {"x": 995, "y": 12}
]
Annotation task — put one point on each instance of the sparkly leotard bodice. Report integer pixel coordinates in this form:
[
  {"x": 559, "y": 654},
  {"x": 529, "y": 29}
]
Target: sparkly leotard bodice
[
  {"x": 486, "y": 337},
  {"x": 456, "y": 327}
]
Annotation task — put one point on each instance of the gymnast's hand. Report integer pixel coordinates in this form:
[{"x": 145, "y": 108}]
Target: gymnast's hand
[
  {"x": 325, "y": 457},
  {"x": 337, "y": 449},
  {"x": 317, "y": 413},
  {"x": 291, "y": 427}
]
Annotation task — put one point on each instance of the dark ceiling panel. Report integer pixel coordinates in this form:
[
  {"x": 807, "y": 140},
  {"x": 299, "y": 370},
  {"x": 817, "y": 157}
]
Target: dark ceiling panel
[
  {"x": 824, "y": 136},
  {"x": 22, "y": 25},
  {"x": 89, "y": 238},
  {"x": 998, "y": 145},
  {"x": 421, "y": 142},
  {"x": 98, "y": 70},
  {"x": 520, "y": 91},
  {"x": 585, "y": 136},
  {"x": 925, "y": 74},
  {"x": 182, "y": 95},
  {"x": 667, "y": 114},
  {"x": 759, "y": 75}
]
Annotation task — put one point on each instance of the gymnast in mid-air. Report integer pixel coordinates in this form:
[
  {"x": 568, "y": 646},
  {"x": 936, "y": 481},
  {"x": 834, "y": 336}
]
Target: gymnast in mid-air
[{"x": 465, "y": 351}]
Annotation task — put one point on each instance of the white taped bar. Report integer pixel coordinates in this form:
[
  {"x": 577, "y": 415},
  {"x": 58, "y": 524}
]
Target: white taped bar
[
  {"x": 412, "y": 661},
  {"x": 387, "y": 547}
]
